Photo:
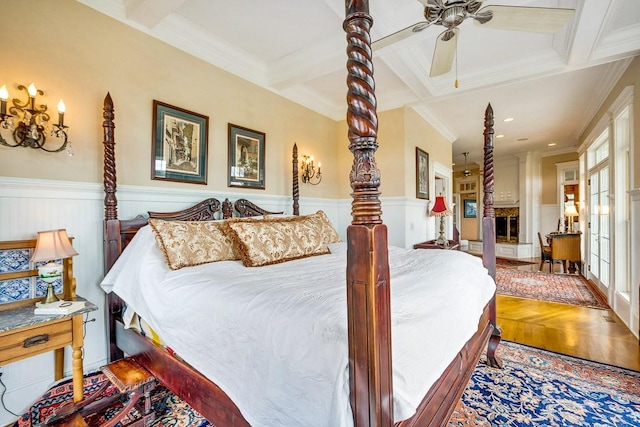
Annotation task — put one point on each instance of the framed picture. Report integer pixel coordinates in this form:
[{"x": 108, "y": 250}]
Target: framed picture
[
  {"x": 179, "y": 144},
  {"x": 422, "y": 174},
  {"x": 246, "y": 157},
  {"x": 470, "y": 208}
]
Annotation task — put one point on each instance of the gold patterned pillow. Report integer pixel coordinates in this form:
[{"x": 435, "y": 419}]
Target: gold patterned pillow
[
  {"x": 264, "y": 242},
  {"x": 189, "y": 243},
  {"x": 329, "y": 233}
]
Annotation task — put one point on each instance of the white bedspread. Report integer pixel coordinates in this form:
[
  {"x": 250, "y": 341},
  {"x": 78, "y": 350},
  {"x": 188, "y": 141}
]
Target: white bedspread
[{"x": 274, "y": 338}]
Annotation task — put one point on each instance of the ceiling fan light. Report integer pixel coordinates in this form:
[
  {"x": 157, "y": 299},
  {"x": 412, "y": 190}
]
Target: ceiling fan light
[{"x": 466, "y": 171}]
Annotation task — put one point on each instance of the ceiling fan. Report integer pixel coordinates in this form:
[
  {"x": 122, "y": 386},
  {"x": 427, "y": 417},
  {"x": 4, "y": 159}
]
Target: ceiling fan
[{"x": 451, "y": 13}]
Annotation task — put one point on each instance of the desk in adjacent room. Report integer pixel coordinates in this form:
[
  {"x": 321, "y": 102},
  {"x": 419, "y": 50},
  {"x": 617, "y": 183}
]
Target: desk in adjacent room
[{"x": 565, "y": 247}]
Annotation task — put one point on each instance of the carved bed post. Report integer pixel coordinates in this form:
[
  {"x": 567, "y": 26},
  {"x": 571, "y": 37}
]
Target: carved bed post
[
  {"x": 489, "y": 231},
  {"x": 296, "y": 184},
  {"x": 368, "y": 283},
  {"x": 112, "y": 244},
  {"x": 112, "y": 241}
]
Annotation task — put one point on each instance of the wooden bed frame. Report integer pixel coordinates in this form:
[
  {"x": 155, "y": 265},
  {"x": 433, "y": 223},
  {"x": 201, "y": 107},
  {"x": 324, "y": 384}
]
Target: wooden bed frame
[{"x": 368, "y": 279}]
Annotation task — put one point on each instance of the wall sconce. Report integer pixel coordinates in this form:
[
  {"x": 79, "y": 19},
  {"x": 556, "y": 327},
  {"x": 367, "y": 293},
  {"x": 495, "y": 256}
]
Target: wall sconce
[
  {"x": 309, "y": 171},
  {"x": 50, "y": 246},
  {"x": 30, "y": 130}
]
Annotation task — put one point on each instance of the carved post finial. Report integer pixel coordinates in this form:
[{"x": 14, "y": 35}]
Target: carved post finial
[
  {"x": 109, "y": 177},
  {"x": 488, "y": 179},
  {"x": 296, "y": 184},
  {"x": 362, "y": 118}
]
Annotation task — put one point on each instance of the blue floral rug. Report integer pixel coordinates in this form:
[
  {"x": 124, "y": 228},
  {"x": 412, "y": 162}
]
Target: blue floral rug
[
  {"x": 535, "y": 388},
  {"x": 541, "y": 388}
]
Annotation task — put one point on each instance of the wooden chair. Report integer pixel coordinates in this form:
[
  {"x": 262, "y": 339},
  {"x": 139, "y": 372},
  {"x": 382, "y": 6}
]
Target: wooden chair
[
  {"x": 545, "y": 254},
  {"x": 566, "y": 247}
]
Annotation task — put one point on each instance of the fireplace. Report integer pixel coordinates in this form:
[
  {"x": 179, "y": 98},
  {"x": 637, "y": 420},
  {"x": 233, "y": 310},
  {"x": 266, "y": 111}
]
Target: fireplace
[{"x": 507, "y": 225}]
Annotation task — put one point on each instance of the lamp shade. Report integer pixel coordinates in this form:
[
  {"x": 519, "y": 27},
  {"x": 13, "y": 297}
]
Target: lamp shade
[
  {"x": 570, "y": 209},
  {"x": 440, "y": 207},
  {"x": 51, "y": 245}
]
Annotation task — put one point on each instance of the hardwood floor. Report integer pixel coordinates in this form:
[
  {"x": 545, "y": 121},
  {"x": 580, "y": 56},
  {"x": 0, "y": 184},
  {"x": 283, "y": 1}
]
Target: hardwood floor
[{"x": 588, "y": 333}]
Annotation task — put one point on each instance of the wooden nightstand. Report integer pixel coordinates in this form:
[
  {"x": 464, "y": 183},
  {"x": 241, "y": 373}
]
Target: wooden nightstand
[{"x": 24, "y": 334}]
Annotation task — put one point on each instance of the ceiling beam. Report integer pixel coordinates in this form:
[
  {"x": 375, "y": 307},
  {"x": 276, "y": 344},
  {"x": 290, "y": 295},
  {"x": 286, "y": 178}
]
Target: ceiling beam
[
  {"x": 589, "y": 30},
  {"x": 150, "y": 12}
]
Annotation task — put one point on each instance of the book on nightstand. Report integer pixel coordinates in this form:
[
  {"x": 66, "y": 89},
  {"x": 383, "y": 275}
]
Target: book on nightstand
[{"x": 58, "y": 307}]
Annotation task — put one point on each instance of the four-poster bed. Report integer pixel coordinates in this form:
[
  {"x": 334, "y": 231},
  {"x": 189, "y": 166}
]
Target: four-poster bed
[{"x": 368, "y": 294}]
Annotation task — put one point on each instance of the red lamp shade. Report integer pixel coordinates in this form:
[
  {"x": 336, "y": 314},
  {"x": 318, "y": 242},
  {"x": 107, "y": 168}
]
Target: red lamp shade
[{"x": 440, "y": 207}]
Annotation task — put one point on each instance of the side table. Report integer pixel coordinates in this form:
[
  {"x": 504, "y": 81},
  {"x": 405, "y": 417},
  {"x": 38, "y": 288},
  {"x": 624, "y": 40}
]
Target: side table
[
  {"x": 24, "y": 334},
  {"x": 431, "y": 244}
]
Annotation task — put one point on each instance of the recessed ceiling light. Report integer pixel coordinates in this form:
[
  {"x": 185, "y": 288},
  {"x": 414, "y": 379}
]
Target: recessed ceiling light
[
  {"x": 551, "y": 144},
  {"x": 508, "y": 119},
  {"x": 500, "y": 136},
  {"x": 523, "y": 139}
]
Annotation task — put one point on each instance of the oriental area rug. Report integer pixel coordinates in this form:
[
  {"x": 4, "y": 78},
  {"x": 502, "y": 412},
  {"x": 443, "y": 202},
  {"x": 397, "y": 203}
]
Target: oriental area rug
[
  {"x": 542, "y": 388},
  {"x": 510, "y": 263},
  {"x": 507, "y": 262},
  {"x": 534, "y": 388},
  {"x": 561, "y": 288}
]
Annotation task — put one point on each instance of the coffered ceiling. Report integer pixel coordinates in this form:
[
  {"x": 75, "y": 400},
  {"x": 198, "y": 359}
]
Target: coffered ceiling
[{"x": 550, "y": 84}]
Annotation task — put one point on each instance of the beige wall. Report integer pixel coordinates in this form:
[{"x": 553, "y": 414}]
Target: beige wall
[
  {"x": 78, "y": 54},
  {"x": 400, "y": 131},
  {"x": 419, "y": 133},
  {"x": 391, "y": 153},
  {"x": 630, "y": 77},
  {"x": 550, "y": 176}
]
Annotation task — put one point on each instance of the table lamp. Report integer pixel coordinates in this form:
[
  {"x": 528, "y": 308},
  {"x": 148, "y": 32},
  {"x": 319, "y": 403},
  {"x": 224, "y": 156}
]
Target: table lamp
[
  {"x": 441, "y": 209},
  {"x": 570, "y": 211},
  {"x": 51, "y": 246}
]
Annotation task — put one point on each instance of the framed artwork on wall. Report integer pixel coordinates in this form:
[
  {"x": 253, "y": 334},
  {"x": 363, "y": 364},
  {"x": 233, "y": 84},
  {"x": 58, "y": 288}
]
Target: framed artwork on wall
[
  {"x": 179, "y": 151},
  {"x": 470, "y": 208},
  {"x": 246, "y": 157},
  {"x": 422, "y": 174}
]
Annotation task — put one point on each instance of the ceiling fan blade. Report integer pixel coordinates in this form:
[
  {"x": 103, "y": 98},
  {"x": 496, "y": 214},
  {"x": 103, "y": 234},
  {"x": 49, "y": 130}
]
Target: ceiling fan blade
[
  {"x": 399, "y": 35},
  {"x": 431, "y": 3},
  {"x": 444, "y": 52},
  {"x": 533, "y": 19}
]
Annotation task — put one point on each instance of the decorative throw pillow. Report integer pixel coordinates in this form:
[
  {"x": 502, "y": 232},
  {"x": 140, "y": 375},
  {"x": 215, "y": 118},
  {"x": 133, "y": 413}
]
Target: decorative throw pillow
[
  {"x": 263, "y": 242},
  {"x": 329, "y": 233},
  {"x": 189, "y": 243}
]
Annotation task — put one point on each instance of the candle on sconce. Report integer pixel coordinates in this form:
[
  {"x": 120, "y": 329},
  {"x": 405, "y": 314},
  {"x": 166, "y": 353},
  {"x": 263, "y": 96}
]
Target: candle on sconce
[
  {"x": 61, "y": 110},
  {"x": 32, "y": 95},
  {"x": 4, "y": 95},
  {"x": 319, "y": 166},
  {"x": 32, "y": 90}
]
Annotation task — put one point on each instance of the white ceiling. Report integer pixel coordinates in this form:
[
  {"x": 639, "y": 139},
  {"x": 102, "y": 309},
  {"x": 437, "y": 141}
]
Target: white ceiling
[{"x": 551, "y": 85}]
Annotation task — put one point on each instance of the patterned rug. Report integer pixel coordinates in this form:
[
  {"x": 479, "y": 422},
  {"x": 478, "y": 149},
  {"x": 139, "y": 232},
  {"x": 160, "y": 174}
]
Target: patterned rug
[
  {"x": 541, "y": 388},
  {"x": 170, "y": 410},
  {"x": 535, "y": 388},
  {"x": 506, "y": 262},
  {"x": 562, "y": 288}
]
